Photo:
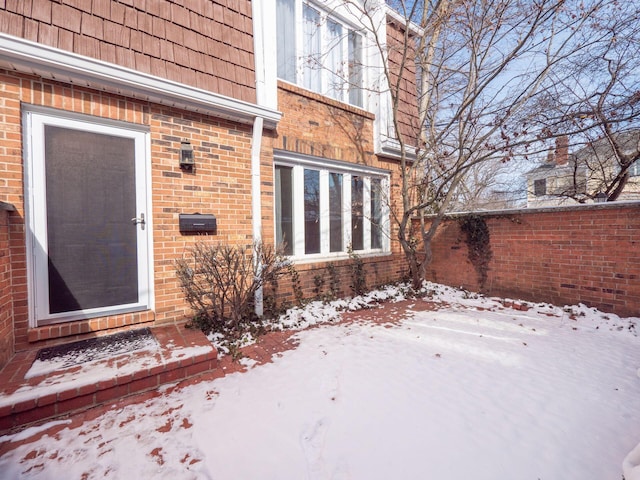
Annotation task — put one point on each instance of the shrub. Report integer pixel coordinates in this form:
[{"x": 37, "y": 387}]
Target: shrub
[
  {"x": 358, "y": 275},
  {"x": 220, "y": 282}
]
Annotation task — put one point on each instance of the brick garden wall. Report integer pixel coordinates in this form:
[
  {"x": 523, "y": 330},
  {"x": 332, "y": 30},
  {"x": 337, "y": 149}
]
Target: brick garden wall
[
  {"x": 588, "y": 254},
  {"x": 6, "y": 297}
]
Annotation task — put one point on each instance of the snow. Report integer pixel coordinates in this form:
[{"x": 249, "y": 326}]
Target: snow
[
  {"x": 80, "y": 356},
  {"x": 149, "y": 355},
  {"x": 470, "y": 389}
]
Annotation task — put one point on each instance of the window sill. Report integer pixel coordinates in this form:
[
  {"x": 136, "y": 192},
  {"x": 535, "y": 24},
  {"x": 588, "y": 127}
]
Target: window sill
[{"x": 336, "y": 257}]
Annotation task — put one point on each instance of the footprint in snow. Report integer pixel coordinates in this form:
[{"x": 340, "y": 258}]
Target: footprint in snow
[{"x": 312, "y": 442}]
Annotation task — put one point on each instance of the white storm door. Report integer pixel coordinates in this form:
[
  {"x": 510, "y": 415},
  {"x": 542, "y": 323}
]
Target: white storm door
[{"x": 89, "y": 219}]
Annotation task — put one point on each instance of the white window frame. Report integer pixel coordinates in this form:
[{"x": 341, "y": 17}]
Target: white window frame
[
  {"x": 325, "y": 72},
  {"x": 299, "y": 163}
]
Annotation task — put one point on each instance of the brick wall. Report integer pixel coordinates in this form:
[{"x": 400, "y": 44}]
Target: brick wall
[
  {"x": 221, "y": 184},
  {"x": 588, "y": 254},
  {"x": 315, "y": 125},
  {"x": 377, "y": 271},
  {"x": 202, "y": 43},
  {"x": 312, "y": 124},
  {"x": 6, "y": 297}
]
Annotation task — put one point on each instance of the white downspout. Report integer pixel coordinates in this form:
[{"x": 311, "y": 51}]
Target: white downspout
[
  {"x": 256, "y": 141},
  {"x": 256, "y": 201}
]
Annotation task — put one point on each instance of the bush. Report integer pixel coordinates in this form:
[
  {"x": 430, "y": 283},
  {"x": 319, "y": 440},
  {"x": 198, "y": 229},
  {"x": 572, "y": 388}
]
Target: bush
[
  {"x": 220, "y": 282},
  {"x": 358, "y": 275}
]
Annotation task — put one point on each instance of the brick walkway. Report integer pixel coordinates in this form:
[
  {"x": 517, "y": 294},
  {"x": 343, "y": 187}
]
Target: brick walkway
[
  {"x": 180, "y": 354},
  {"x": 81, "y": 403}
]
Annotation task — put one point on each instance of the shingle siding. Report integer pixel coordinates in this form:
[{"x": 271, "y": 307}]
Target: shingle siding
[{"x": 205, "y": 44}]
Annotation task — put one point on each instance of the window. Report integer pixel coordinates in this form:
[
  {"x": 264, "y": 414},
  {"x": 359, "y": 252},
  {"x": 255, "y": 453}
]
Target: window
[
  {"x": 319, "y": 52},
  {"x": 634, "y": 169},
  {"x": 376, "y": 213},
  {"x": 284, "y": 208},
  {"x": 285, "y": 22},
  {"x": 325, "y": 207},
  {"x": 312, "y": 56},
  {"x": 357, "y": 212},
  {"x": 311, "y": 211},
  {"x": 355, "y": 68},
  {"x": 540, "y": 187},
  {"x": 335, "y": 212}
]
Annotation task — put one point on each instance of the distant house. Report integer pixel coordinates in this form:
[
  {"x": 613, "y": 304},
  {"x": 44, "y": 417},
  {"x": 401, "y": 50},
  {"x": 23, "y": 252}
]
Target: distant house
[
  {"x": 569, "y": 178},
  {"x": 119, "y": 117}
]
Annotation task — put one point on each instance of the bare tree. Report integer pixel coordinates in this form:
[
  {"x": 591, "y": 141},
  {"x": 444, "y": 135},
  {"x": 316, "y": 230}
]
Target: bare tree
[
  {"x": 595, "y": 103},
  {"x": 492, "y": 185},
  {"x": 493, "y": 77}
]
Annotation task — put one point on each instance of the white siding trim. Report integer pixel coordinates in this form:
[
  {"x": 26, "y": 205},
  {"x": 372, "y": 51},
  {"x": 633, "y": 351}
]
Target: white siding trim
[{"x": 48, "y": 62}]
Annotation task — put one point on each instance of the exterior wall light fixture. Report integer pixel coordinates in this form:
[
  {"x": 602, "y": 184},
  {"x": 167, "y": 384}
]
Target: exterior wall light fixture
[{"x": 187, "y": 161}]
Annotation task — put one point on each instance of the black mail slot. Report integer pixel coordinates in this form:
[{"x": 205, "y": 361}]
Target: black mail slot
[{"x": 198, "y": 223}]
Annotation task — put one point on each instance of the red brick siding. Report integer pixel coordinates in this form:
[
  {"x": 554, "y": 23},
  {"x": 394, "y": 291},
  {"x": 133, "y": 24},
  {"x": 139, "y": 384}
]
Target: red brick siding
[
  {"x": 316, "y": 125},
  {"x": 6, "y": 297},
  {"x": 312, "y": 124},
  {"x": 221, "y": 184},
  {"x": 585, "y": 254},
  {"x": 378, "y": 271},
  {"x": 202, "y": 43}
]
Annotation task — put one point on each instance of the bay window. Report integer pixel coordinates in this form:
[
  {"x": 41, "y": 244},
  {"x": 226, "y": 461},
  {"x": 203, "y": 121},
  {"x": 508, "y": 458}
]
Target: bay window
[
  {"x": 323, "y": 208},
  {"x": 319, "y": 51}
]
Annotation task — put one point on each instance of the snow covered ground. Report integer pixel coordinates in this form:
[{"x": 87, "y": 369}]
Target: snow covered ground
[{"x": 469, "y": 390}]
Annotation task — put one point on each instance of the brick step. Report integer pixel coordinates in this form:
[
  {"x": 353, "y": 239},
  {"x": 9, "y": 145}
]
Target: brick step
[{"x": 181, "y": 354}]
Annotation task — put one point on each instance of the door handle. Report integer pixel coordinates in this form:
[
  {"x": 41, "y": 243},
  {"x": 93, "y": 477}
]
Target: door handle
[{"x": 139, "y": 220}]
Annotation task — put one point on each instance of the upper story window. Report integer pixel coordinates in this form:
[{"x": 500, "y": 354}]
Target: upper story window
[
  {"x": 322, "y": 207},
  {"x": 634, "y": 169},
  {"x": 318, "y": 51},
  {"x": 540, "y": 187}
]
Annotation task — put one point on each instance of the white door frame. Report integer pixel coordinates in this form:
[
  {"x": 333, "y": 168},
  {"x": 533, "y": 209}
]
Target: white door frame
[{"x": 34, "y": 120}]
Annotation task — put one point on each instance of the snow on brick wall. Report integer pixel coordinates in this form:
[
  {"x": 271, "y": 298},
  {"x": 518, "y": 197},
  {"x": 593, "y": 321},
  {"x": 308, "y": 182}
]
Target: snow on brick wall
[{"x": 588, "y": 254}]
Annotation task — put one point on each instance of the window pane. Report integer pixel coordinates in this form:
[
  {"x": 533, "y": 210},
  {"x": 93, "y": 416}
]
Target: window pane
[
  {"x": 335, "y": 212},
  {"x": 540, "y": 187},
  {"x": 311, "y": 211},
  {"x": 286, "y": 45},
  {"x": 376, "y": 213},
  {"x": 334, "y": 60},
  {"x": 311, "y": 60},
  {"x": 355, "y": 69},
  {"x": 284, "y": 208},
  {"x": 357, "y": 213}
]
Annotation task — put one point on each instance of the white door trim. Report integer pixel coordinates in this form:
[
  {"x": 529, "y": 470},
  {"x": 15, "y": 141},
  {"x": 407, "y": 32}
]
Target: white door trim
[{"x": 34, "y": 120}]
